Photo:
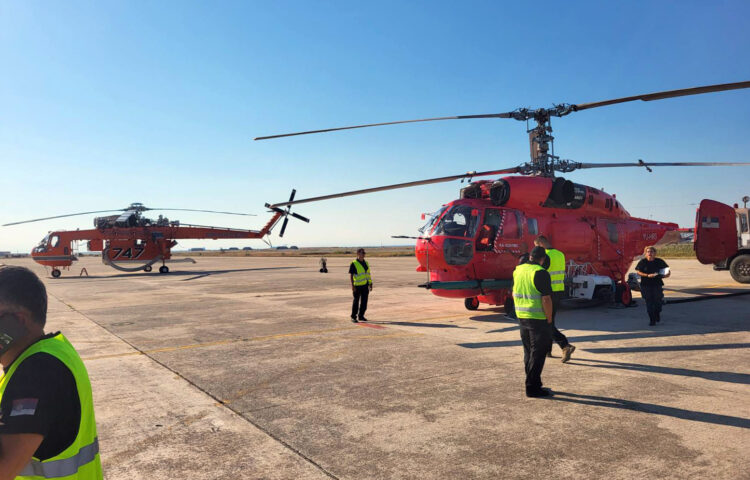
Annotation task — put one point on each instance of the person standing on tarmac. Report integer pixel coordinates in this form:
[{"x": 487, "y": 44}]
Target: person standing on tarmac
[
  {"x": 532, "y": 295},
  {"x": 47, "y": 424},
  {"x": 651, "y": 270},
  {"x": 556, "y": 270},
  {"x": 359, "y": 273}
]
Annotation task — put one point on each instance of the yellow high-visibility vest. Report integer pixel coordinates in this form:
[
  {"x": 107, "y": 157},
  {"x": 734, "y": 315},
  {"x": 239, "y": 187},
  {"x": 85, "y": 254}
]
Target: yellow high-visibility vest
[
  {"x": 527, "y": 299},
  {"x": 556, "y": 269},
  {"x": 362, "y": 277},
  {"x": 80, "y": 461}
]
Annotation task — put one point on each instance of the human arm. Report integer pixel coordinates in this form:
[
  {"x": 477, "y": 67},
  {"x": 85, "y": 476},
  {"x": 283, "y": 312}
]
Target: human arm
[
  {"x": 664, "y": 265},
  {"x": 16, "y": 449},
  {"x": 648, "y": 275},
  {"x": 543, "y": 283},
  {"x": 547, "y": 306}
]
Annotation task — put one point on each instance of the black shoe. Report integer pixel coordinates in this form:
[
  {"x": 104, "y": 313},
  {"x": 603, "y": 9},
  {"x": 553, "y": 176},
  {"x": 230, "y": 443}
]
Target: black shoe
[
  {"x": 539, "y": 393},
  {"x": 354, "y": 320},
  {"x": 362, "y": 319}
]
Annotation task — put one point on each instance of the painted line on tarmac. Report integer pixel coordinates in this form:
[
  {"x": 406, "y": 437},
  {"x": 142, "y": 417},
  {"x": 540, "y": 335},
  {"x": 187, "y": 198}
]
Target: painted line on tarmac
[{"x": 218, "y": 342}]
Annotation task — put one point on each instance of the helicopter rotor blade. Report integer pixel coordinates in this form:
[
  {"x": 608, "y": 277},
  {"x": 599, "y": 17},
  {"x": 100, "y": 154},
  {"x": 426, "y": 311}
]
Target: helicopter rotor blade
[
  {"x": 665, "y": 164},
  {"x": 205, "y": 211},
  {"x": 291, "y": 197},
  {"x": 666, "y": 94},
  {"x": 283, "y": 226},
  {"x": 457, "y": 117},
  {"x": 62, "y": 216},
  {"x": 300, "y": 217},
  {"x": 400, "y": 185}
]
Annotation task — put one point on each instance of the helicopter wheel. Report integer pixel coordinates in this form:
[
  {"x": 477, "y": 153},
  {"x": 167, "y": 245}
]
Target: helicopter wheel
[
  {"x": 624, "y": 295},
  {"x": 164, "y": 269},
  {"x": 56, "y": 273},
  {"x": 147, "y": 268},
  {"x": 471, "y": 303}
]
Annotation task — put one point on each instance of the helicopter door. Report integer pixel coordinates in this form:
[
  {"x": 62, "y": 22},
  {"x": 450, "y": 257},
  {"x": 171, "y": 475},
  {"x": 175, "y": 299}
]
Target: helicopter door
[{"x": 715, "y": 232}]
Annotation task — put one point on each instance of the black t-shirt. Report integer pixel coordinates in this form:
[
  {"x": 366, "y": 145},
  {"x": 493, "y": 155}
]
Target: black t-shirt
[
  {"x": 651, "y": 267},
  {"x": 353, "y": 269},
  {"x": 543, "y": 282},
  {"x": 42, "y": 398}
]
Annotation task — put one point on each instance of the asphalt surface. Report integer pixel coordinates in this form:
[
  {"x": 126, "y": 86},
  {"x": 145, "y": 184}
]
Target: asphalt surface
[{"x": 250, "y": 368}]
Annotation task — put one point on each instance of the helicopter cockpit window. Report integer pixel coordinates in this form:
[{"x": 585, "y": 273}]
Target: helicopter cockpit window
[
  {"x": 492, "y": 220},
  {"x": 427, "y": 227},
  {"x": 54, "y": 241},
  {"x": 42, "y": 247},
  {"x": 532, "y": 226},
  {"x": 459, "y": 221}
]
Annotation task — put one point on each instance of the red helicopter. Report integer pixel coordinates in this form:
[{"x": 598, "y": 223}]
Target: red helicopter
[
  {"x": 470, "y": 247},
  {"x": 130, "y": 242}
]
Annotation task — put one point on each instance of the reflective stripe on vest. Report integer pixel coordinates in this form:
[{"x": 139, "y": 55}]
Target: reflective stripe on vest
[
  {"x": 63, "y": 467},
  {"x": 362, "y": 277},
  {"x": 556, "y": 269},
  {"x": 528, "y": 300},
  {"x": 80, "y": 460}
]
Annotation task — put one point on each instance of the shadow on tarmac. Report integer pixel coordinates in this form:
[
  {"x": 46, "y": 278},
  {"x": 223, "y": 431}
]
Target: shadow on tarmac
[
  {"x": 608, "y": 337},
  {"x": 731, "y": 377},
  {"x": 651, "y": 408},
  {"x": 431, "y": 325},
  {"x": 193, "y": 273},
  {"x": 668, "y": 348}
]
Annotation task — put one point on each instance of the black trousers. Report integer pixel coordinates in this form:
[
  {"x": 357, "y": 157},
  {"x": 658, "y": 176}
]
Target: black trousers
[
  {"x": 557, "y": 336},
  {"x": 536, "y": 336},
  {"x": 359, "y": 305},
  {"x": 653, "y": 296}
]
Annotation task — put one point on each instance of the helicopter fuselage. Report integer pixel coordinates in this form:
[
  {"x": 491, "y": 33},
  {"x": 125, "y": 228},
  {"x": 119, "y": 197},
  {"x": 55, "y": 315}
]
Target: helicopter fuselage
[{"x": 480, "y": 236}]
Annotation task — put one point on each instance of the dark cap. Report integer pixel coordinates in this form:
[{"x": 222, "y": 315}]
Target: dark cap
[{"x": 538, "y": 253}]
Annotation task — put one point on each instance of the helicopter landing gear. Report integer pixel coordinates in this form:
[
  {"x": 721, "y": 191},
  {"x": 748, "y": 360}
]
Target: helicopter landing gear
[
  {"x": 147, "y": 268},
  {"x": 471, "y": 303},
  {"x": 164, "y": 269},
  {"x": 623, "y": 294},
  {"x": 56, "y": 273}
]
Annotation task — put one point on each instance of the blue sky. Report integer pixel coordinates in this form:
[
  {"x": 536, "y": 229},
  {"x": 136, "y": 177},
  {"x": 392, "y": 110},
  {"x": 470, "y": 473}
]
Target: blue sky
[{"x": 107, "y": 103}]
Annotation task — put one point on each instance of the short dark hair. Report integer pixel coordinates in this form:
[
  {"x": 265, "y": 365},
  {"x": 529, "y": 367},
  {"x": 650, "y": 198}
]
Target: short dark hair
[
  {"x": 537, "y": 253},
  {"x": 20, "y": 287},
  {"x": 360, "y": 250},
  {"x": 541, "y": 239}
]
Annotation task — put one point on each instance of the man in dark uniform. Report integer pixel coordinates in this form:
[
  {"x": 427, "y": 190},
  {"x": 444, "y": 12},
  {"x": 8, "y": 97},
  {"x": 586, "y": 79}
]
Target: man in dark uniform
[
  {"x": 532, "y": 295},
  {"x": 47, "y": 425},
  {"x": 359, "y": 273}
]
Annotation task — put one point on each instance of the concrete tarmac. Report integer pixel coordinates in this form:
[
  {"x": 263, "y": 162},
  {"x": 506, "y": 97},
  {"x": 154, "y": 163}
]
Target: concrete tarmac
[{"x": 250, "y": 368}]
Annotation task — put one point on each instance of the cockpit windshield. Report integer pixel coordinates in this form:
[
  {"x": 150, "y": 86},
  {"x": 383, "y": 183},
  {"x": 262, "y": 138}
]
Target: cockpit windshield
[
  {"x": 459, "y": 221},
  {"x": 42, "y": 247},
  {"x": 427, "y": 227}
]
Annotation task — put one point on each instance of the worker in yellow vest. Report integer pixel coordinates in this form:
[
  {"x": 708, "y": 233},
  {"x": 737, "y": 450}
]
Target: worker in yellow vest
[
  {"x": 556, "y": 270},
  {"x": 359, "y": 273},
  {"x": 532, "y": 295},
  {"x": 47, "y": 425}
]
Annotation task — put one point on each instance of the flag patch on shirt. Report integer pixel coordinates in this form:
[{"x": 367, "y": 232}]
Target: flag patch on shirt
[{"x": 24, "y": 406}]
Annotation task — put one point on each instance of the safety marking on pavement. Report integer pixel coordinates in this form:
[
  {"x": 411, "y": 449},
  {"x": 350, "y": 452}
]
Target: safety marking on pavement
[{"x": 218, "y": 342}]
